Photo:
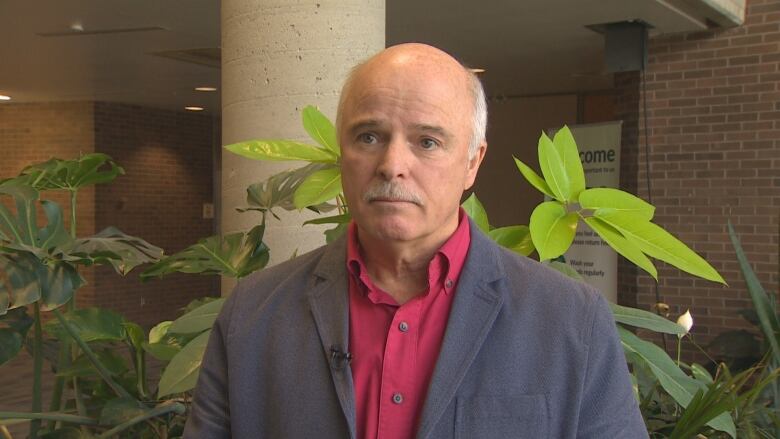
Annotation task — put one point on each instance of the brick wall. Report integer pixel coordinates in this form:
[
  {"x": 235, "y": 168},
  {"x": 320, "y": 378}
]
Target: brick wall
[
  {"x": 626, "y": 107},
  {"x": 167, "y": 157},
  {"x": 714, "y": 132}
]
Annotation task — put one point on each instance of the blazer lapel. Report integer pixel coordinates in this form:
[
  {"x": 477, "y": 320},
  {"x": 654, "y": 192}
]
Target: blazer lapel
[
  {"x": 474, "y": 309},
  {"x": 329, "y": 303}
]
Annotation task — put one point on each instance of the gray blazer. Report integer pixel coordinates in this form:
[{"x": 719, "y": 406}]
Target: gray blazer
[{"x": 527, "y": 353}]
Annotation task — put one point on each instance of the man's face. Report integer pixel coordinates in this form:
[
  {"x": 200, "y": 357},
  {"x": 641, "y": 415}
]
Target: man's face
[{"x": 404, "y": 132}]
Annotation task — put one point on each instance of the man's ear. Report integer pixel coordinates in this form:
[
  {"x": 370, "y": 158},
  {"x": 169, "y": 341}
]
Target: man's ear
[{"x": 473, "y": 165}]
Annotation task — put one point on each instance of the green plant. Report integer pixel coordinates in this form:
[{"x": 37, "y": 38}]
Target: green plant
[
  {"x": 182, "y": 342},
  {"x": 99, "y": 392},
  {"x": 764, "y": 413}
]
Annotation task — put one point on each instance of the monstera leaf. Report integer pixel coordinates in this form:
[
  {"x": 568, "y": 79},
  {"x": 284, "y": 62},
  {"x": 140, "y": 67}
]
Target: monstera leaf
[
  {"x": 20, "y": 230},
  {"x": 112, "y": 246},
  {"x": 70, "y": 174},
  {"x": 28, "y": 280},
  {"x": 279, "y": 190},
  {"x": 235, "y": 255},
  {"x": 13, "y": 330}
]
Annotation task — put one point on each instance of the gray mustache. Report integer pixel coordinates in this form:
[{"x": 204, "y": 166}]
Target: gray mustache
[{"x": 392, "y": 191}]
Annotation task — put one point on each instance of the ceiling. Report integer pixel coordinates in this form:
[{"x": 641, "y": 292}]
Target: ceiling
[{"x": 109, "y": 50}]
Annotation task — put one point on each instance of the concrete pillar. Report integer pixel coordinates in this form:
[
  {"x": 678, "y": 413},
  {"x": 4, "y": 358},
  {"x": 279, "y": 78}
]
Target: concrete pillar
[{"x": 277, "y": 57}]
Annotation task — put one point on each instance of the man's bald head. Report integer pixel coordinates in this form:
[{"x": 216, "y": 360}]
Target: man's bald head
[{"x": 434, "y": 63}]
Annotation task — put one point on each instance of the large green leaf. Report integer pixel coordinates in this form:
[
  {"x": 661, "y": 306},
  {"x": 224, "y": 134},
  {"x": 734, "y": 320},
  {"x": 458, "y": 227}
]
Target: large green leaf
[
  {"x": 621, "y": 245},
  {"x": 765, "y": 308},
  {"x": 278, "y": 190},
  {"x": 20, "y": 286},
  {"x": 534, "y": 178},
  {"x": 162, "y": 345},
  {"x": 318, "y": 188},
  {"x": 674, "y": 381},
  {"x": 515, "y": 238},
  {"x": 13, "y": 330},
  {"x": 91, "y": 324},
  {"x": 58, "y": 281},
  {"x": 119, "y": 410},
  {"x": 320, "y": 128},
  {"x": 134, "y": 335},
  {"x": 553, "y": 169},
  {"x": 552, "y": 229},
  {"x": 112, "y": 246},
  {"x": 620, "y": 201},
  {"x": 344, "y": 218},
  {"x": 199, "y": 319},
  {"x": 647, "y": 320},
  {"x": 181, "y": 374},
  {"x": 73, "y": 174},
  {"x": 658, "y": 243},
  {"x": 567, "y": 150},
  {"x": 10, "y": 344},
  {"x": 476, "y": 212},
  {"x": 82, "y": 366},
  {"x": 30, "y": 280},
  {"x": 282, "y": 150},
  {"x": 22, "y": 230},
  {"x": 236, "y": 255}
]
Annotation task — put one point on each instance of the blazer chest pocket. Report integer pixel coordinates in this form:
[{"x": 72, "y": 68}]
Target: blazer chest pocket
[{"x": 486, "y": 417}]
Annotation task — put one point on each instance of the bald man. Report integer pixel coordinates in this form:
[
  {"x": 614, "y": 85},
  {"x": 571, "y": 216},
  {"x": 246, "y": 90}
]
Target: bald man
[{"x": 413, "y": 324}]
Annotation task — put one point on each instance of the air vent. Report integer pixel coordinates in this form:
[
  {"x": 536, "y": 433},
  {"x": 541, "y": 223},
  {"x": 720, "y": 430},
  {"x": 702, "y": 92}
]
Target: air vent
[
  {"x": 81, "y": 33},
  {"x": 210, "y": 56}
]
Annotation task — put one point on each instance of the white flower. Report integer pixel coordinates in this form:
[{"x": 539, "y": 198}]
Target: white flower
[{"x": 686, "y": 321}]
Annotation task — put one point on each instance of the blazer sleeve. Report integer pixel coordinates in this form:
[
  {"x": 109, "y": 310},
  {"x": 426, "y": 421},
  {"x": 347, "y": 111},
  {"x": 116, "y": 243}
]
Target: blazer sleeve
[
  {"x": 209, "y": 415},
  {"x": 609, "y": 407}
]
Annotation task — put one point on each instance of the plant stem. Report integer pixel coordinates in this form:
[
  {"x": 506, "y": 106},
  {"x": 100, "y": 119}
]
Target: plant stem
[
  {"x": 37, "y": 370},
  {"x": 73, "y": 195},
  {"x": 679, "y": 344},
  {"x": 49, "y": 416},
  {"x": 77, "y": 396},
  {"x": 63, "y": 360},
  {"x": 102, "y": 371},
  {"x": 169, "y": 407},
  {"x": 5, "y": 432}
]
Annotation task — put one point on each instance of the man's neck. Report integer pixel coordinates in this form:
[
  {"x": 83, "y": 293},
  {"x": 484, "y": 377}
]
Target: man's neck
[{"x": 399, "y": 268}]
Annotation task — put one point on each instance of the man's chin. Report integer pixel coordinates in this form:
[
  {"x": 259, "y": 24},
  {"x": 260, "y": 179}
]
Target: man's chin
[{"x": 390, "y": 228}]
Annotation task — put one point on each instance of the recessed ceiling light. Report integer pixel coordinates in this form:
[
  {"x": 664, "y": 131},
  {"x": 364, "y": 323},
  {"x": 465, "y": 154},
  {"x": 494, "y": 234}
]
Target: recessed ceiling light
[
  {"x": 478, "y": 71},
  {"x": 5, "y": 98},
  {"x": 205, "y": 88},
  {"x": 193, "y": 108}
]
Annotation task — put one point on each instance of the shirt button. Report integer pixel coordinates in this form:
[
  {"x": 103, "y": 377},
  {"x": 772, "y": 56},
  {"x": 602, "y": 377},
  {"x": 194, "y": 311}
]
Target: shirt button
[
  {"x": 398, "y": 398},
  {"x": 449, "y": 283},
  {"x": 403, "y": 326}
]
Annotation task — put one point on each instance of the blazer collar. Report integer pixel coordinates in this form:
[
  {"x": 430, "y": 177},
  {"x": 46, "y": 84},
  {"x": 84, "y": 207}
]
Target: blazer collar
[
  {"x": 329, "y": 302},
  {"x": 477, "y": 302}
]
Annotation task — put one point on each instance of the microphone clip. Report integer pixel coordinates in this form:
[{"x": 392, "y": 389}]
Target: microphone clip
[{"x": 339, "y": 357}]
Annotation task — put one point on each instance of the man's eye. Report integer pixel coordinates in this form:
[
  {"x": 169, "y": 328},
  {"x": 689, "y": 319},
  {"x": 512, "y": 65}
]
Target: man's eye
[
  {"x": 368, "y": 138},
  {"x": 429, "y": 144}
]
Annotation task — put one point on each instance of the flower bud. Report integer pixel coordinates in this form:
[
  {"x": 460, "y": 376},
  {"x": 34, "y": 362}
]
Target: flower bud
[{"x": 686, "y": 321}]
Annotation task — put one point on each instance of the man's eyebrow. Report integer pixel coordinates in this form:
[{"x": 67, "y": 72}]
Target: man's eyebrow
[
  {"x": 433, "y": 129},
  {"x": 363, "y": 124}
]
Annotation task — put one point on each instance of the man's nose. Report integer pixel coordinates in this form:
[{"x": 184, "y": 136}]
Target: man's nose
[{"x": 394, "y": 161}]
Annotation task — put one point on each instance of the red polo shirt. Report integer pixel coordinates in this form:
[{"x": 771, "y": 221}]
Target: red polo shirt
[{"x": 395, "y": 347}]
